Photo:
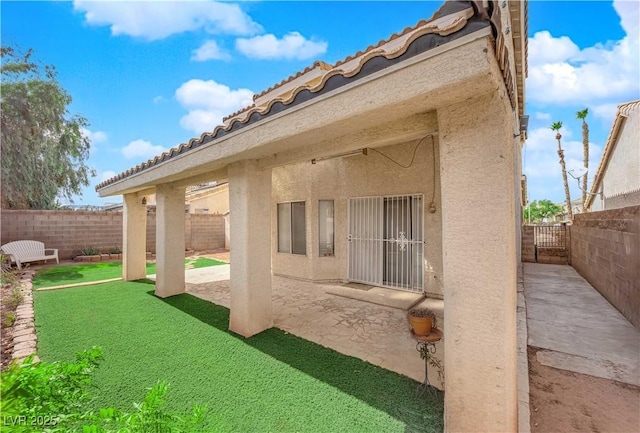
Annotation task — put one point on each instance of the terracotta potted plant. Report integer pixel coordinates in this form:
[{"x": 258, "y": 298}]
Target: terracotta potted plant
[{"x": 422, "y": 320}]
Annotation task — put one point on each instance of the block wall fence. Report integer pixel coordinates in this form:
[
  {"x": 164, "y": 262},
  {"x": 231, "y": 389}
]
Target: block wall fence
[
  {"x": 69, "y": 231},
  {"x": 605, "y": 250}
]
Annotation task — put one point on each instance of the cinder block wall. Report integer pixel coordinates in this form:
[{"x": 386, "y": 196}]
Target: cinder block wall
[
  {"x": 528, "y": 245},
  {"x": 205, "y": 231},
  {"x": 605, "y": 250},
  {"x": 69, "y": 231}
]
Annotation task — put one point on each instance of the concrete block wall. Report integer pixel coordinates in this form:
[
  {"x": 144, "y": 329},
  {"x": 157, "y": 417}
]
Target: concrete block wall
[
  {"x": 605, "y": 250},
  {"x": 528, "y": 245},
  {"x": 205, "y": 231},
  {"x": 70, "y": 231}
]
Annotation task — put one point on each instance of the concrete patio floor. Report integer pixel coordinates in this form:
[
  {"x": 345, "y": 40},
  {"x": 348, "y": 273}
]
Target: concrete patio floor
[
  {"x": 374, "y": 333},
  {"x": 577, "y": 327}
]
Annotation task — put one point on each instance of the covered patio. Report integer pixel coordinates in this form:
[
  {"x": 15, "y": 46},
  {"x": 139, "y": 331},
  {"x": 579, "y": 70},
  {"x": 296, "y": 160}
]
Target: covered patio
[
  {"x": 457, "y": 78},
  {"x": 375, "y": 333}
]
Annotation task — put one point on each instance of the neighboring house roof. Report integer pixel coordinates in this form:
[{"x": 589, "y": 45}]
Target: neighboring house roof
[
  {"x": 624, "y": 110},
  {"x": 452, "y": 21},
  {"x": 206, "y": 191}
]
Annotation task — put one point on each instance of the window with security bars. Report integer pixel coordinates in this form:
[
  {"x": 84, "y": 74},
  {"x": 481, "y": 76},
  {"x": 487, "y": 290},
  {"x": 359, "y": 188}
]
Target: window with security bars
[{"x": 292, "y": 230}]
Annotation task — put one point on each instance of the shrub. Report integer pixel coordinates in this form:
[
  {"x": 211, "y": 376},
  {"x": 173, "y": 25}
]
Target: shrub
[
  {"x": 8, "y": 320},
  {"x": 54, "y": 397},
  {"x": 89, "y": 251},
  {"x": 115, "y": 250},
  {"x": 421, "y": 312}
]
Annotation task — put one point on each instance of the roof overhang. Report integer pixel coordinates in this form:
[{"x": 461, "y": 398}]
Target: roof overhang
[{"x": 394, "y": 104}]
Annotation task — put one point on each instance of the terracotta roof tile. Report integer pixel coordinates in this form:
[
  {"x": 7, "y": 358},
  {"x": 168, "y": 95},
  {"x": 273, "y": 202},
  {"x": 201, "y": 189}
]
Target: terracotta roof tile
[{"x": 451, "y": 18}]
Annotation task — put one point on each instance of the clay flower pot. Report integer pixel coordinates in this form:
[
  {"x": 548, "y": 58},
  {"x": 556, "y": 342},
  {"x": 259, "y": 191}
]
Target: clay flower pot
[{"x": 422, "y": 320}]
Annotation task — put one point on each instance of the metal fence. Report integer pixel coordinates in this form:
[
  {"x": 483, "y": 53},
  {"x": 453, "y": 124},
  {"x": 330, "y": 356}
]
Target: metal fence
[{"x": 550, "y": 236}]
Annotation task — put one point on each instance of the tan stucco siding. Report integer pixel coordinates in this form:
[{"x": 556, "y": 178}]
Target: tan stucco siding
[
  {"x": 216, "y": 202},
  {"x": 479, "y": 242},
  {"x": 357, "y": 176},
  {"x": 622, "y": 174}
]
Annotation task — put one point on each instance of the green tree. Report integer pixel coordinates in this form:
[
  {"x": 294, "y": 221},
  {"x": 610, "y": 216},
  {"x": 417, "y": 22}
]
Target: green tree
[
  {"x": 582, "y": 115},
  {"x": 538, "y": 210},
  {"x": 556, "y": 126},
  {"x": 44, "y": 151}
]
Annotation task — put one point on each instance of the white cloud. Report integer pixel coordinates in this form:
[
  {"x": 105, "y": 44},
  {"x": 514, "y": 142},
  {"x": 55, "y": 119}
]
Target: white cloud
[
  {"x": 542, "y": 164},
  {"x": 141, "y": 149},
  {"x": 208, "y": 102},
  {"x": 606, "y": 112},
  {"x": 94, "y": 136},
  {"x": 210, "y": 50},
  {"x": 542, "y": 116},
  {"x": 560, "y": 72},
  {"x": 292, "y": 46},
  {"x": 106, "y": 175},
  {"x": 154, "y": 20}
]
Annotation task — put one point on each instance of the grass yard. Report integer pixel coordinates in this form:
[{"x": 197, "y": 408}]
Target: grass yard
[
  {"x": 272, "y": 382},
  {"x": 89, "y": 272}
]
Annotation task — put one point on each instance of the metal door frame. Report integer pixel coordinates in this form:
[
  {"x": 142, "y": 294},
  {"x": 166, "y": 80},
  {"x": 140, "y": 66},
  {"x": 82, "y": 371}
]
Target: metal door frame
[{"x": 371, "y": 244}]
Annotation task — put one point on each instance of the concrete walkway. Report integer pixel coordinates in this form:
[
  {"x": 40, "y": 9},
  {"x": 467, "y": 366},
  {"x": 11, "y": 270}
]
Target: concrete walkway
[{"x": 576, "y": 327}]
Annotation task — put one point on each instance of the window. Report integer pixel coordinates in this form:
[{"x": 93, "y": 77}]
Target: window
[
  {"x": 325, "y": 228},
  {"x": 292, "y": 230}
]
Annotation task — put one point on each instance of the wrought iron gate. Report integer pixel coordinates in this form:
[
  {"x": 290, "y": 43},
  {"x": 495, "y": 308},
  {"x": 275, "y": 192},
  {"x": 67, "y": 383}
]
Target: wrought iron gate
[{"x": 386, "y": 241}]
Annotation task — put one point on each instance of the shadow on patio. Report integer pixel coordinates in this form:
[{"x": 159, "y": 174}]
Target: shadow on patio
[{"x": 382, "y": 389}]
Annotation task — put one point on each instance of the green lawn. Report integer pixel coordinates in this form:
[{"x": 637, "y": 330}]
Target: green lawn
[
  {"x": 272, "y": 382},
  {"x": 88, "y": 272}
]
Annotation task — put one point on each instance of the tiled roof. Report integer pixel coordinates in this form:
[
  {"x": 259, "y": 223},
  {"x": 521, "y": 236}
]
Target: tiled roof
[
  {"x": 317, "y": 64},
  {"x": 624, "y": 110},
  {"x": 452, "y": 21}
]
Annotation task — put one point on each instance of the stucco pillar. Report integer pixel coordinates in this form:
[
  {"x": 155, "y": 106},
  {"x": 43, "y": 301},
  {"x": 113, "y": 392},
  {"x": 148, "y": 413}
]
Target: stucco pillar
[
  {"x": 478, "y": 242},
  {"x": 170, "y": 241},
  {"x": 250, "y": 223},
  {"x": 134, "y": 238}
]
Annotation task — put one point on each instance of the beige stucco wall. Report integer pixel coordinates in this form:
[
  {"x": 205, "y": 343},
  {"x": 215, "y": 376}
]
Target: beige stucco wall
[
  {"x": 622, "y": 174},
  {"x": 357, "y": 176},
  {"x": 479, "y": 243},
  {"x": 216, "y": 201}
]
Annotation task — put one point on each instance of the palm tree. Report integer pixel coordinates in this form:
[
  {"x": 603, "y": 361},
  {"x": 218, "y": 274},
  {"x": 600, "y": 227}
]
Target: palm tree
[
  {"x": 582, "y": 115},
  {"x": 555, "y": 126}
]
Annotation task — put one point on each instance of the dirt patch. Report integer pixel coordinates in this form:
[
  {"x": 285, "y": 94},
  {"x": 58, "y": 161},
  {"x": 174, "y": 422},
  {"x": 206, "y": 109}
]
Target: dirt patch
[
  {"x": 6, "y": 341},
  {"x": 564, "y": 401}
]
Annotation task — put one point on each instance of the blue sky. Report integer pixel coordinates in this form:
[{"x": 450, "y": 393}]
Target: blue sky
[{"x": 149, "y": 76}]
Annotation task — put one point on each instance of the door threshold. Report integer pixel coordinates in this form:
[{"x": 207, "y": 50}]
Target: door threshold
[{"x": 401, "y": 300}]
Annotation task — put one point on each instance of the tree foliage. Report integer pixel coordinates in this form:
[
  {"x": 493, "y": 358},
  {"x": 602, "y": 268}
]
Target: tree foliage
[
  {"x": 44, "y": 151},
  {"x": 55, "y": 397},
  {"x": 539, "y": 210}
]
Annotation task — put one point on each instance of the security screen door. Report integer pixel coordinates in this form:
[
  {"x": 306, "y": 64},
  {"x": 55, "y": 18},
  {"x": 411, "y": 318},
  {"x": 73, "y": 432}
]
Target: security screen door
[{"x": 386, "y": 241}]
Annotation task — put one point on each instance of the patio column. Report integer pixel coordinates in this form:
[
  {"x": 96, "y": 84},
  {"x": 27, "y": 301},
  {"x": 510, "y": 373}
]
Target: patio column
[
  {"x": 250, "y": 223},
  {"x": 478, "y": 242},
  {"x": 134, "y": 238},
  {"x": 170, "y": 241}
]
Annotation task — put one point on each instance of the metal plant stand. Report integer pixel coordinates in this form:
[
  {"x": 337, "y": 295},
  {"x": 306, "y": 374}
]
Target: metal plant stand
[{"x": 427, "y": 344}]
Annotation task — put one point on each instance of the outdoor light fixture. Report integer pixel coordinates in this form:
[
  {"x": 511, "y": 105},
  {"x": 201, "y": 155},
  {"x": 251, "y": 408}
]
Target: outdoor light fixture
[
  {"x": 524, "y": 126},
  {"x": 144, "y": 200},
  {"x": 340, "y": 155}
]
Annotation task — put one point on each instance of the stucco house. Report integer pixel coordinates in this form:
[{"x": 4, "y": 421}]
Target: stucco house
[
  {"x": 617, "y": 181},
  {"x": 210, "y": 198},
  {"x": 399, "y": 166}
]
